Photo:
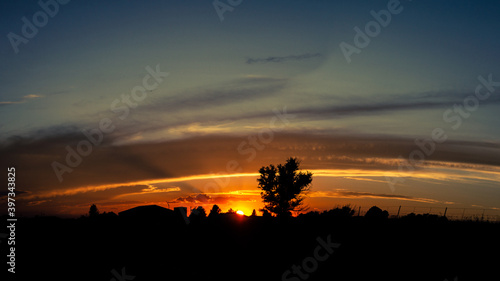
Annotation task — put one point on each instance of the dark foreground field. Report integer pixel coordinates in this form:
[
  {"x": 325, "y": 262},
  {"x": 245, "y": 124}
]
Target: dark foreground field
[{"x": 232, "y": 247}]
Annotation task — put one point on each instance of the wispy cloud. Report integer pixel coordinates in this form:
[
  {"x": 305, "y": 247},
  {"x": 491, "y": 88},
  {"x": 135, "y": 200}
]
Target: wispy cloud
[
  {"x": 207, "y": 199},
  {"x": 239, "y": 90},
  {"x": 390, "y": 103},
  {"x": 283, "y": 58},
  {"x": 145, "y": 163},
  {"x": 340, "y": 193},
  {"x": 22, "y": 100},
  {"x": 149, "y": 190},
  {"x": 5, "y": 193},
  {"x": 255, "y": 89}
]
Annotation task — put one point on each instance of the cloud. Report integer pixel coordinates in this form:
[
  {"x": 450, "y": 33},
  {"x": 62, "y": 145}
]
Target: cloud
[
  {"x": 188, "y": 114},
  {"x": 23, "y": 100},
  {"x": 178, "y": 113},
  {"x": 207, "y": 199},
  {"x": 340, "y": 193},
  {"x": 159, "y": 168},
  {"x": 390, "y": 103},
  {"x": 236, "y": 91},
  {"x": 5, "y": 193},
  {"x": 154, "y": 172},
  {"x": 282, "y": 59},
  {"x": 199, "y": 198},
  {"x": 151, "y": 189},
  {"x": 37, "y": 202}
]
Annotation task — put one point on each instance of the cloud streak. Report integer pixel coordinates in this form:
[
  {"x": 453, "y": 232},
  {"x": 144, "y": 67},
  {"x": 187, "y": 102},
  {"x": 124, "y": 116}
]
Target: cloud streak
[
  {"x": 23, "y": 100},
  {"x": 357, "y": 194},
  {"x": 277, "y": 59},
  {"x": 230, "y": 97},
  {"x": 207, "y": 199},
  {"x": 235, "y": 91},
  {"x": 392, "y": 103},
  {"x": 112, "y": 165}
]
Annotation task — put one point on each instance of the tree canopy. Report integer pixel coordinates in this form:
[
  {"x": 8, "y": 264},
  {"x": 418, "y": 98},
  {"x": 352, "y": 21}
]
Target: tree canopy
[
  {"x": 93, "y": 211},
  {"x": 283, "y": 187}
]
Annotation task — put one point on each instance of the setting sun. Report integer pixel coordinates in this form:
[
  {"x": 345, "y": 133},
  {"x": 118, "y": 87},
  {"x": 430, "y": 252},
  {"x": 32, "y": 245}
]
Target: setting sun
[{"x": 240, "y": 212}]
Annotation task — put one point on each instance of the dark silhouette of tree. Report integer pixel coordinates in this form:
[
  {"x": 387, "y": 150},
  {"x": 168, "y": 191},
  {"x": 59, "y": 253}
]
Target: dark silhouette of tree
[
  {"x": 310, "y": 215},
  {"x": 197, "y": 215},
  {"x": 254, "y": 214},
  {"x": 198, "y": 212},
  {"x": 283, "y": 186},
  {"x": 376, "y": 213},
  {"x": 231, "y": 211},
  {"x": 109, "y": 215},
  {"x": 214, "y": 212},
  {"x": 265, "y": 213},
  {"x": 93, "y": 211},
  {"x": 346, "y": 212}
]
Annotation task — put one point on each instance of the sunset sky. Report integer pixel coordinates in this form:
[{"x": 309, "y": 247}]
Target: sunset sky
[{"x": 411, "y": 118}]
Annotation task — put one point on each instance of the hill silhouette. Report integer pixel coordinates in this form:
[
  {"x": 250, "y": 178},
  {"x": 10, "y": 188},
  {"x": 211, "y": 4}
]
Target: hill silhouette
[
  {"x": 147, "y": 212},
  {"x": 155, "y": 243}
]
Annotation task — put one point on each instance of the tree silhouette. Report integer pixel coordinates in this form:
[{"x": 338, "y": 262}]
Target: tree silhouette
[
  {"x": 215, "y": 211},
  {"x": 198, "y": 212},
  {"x": 376, "y": 213},
  {"x": 231, "y": 211},
  {"x": 283, "y": 186},
  {"x": 254, "y": 213},
  {"x": 197, "y": 215},
  {"x": 265, "y": 213},
  {"x": 93, "y": 211},
  {"x": 346, "y": 211}
]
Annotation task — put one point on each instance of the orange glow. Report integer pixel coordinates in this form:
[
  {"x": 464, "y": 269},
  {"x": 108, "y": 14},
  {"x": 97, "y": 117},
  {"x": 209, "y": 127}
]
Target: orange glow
[{"x": 245, "y": 207}]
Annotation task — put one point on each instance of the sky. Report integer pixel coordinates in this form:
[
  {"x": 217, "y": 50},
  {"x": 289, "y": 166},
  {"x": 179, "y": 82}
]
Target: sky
[{"x": 179, "y": 103}]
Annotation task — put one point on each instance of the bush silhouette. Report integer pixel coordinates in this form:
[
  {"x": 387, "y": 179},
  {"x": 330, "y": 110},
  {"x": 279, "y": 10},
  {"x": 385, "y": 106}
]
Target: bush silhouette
[
  {"x": 376, "y": 213},
  {"x": 345, "y": 212}
]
